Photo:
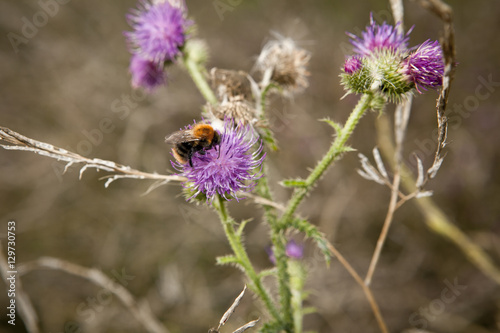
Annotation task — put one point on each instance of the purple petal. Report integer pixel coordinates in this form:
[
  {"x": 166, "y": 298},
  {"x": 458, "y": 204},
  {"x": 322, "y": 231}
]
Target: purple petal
[
  {"x": 294, "y": 250},
  {"x": 228, "y": 168},
  {"x": 158, "y": 31},
  {"x": 425, "y": 65},
  {"x": 146, "y": 74},
  {"x": 379, "y": 37}
]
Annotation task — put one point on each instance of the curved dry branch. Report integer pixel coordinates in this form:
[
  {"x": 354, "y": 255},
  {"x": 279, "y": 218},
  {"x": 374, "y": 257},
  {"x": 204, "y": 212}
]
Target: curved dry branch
[
  {"x": 141, "y": 312},
  {"x": 16, "y": 141},
  {"x": 445, "y": 13}
]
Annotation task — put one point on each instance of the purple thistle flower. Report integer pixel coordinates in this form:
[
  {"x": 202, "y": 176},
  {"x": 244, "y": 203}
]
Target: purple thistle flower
[
  {"x": 385, "y": 65},
  {"x": 379, "y": 37},
  {"x": 270, "y": 254},
  {"x": 425, "y": 66},
  {"x": 158, "y": 31},
  {"x": 352, "y": 64},
  {"x": 293, "y": 250},
  {"x": 146, "y": 74},
  {"x": 228, "y": 167}
]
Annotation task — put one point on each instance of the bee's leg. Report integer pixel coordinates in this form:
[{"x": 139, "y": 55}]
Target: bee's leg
[{"x": 190, "y": 154}]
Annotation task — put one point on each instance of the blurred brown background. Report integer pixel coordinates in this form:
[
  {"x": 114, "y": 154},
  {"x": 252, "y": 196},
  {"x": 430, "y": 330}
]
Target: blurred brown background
[{"x": 72, "y": 73}]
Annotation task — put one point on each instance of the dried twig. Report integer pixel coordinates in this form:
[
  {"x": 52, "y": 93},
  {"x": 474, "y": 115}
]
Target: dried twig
[
  {"x": 262, "y": 201},
  {"x": 16, "y": 141},
  {"x": 398, "y": 12},
  {"x": 401, "y": 117},
  {"x": 141, "y": 312},
  {"x": 23, "y": 303},
  {"x": 225, "y": 317},
  {"x": 445, "y": 13},
  {"x": 366, "y": 289}
]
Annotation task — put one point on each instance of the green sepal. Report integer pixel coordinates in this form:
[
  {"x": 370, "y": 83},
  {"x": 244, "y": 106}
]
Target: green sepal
[{"x": 189, "y": 193}]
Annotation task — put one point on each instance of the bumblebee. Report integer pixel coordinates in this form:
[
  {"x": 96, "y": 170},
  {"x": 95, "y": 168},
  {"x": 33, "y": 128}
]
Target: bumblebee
[{"x": 200, "y": 138}]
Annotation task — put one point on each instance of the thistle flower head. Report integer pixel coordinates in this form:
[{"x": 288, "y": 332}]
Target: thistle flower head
[
  {"x": 379, "y": 37},
  {"x": 384, "y": 65},
  {"x": 230, "y": 83},
  {"x": 425, "y": 66},
  {"x": 146, "y": 74},
  {"x": 286, "y": 63},
  {"x": 236, "y": 108},
  {"x": 159, "y": 31},
  {"x": 231, "y": 166}
]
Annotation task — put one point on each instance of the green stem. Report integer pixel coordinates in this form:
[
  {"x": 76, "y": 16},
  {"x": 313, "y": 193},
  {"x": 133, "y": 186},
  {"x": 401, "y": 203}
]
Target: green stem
[
  {"x": 195, "y": 70},
  {"x": 264, "y": 191},
  {"x": 297, "y": 279},
  {"x": 240, "y": 253},
  {"x": 279, "y": 250},
  {"x": 337, "y": 148}
]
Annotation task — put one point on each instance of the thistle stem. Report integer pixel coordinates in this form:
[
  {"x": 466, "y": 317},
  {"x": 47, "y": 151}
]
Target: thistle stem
[
  {"x": 195, "y": 71},
  {"x": 279, "y": 249},
  {"x": 337, "y": 148},
  {"x": 241, "y": 254}
]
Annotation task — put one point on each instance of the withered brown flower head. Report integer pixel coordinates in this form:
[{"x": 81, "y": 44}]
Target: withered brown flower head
[
  {"x": 287, "y": 63},
  {"x": 230, "y": 83},
  {"x": 236, "y": 108}
]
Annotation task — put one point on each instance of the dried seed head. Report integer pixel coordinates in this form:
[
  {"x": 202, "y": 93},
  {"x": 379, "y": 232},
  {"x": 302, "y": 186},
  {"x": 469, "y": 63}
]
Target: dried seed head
[
  {"x": 229, "y": 83},
  {"x": 236, "y": 108},
  {"x": 287, "y": 64}
]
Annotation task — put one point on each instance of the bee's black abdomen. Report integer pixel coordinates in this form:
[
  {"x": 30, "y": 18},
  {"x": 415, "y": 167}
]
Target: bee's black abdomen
[{"x": 184, "y": 148}]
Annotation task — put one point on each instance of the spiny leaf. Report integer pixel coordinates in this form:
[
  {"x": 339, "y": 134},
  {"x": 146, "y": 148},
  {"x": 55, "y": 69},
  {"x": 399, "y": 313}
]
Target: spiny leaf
[
  {"x": 242, "y": 225},
  {"x": 346, "y": 149},
  {"x": 318, "y": 237},
  {"x": 309, "y": 310},
  {"x": 268, "y": 137},
  {"x": 271, "y": 327},
  {"x": 267, "y": 272},
  {"x": 293, "y": 183},
  {"x": 228, "y": 260},
  {"x": 336, "y": 126}
]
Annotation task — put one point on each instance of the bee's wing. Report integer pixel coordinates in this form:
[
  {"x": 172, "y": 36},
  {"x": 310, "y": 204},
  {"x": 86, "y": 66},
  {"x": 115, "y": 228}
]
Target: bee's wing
[{"x": 181, "y": 136}]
